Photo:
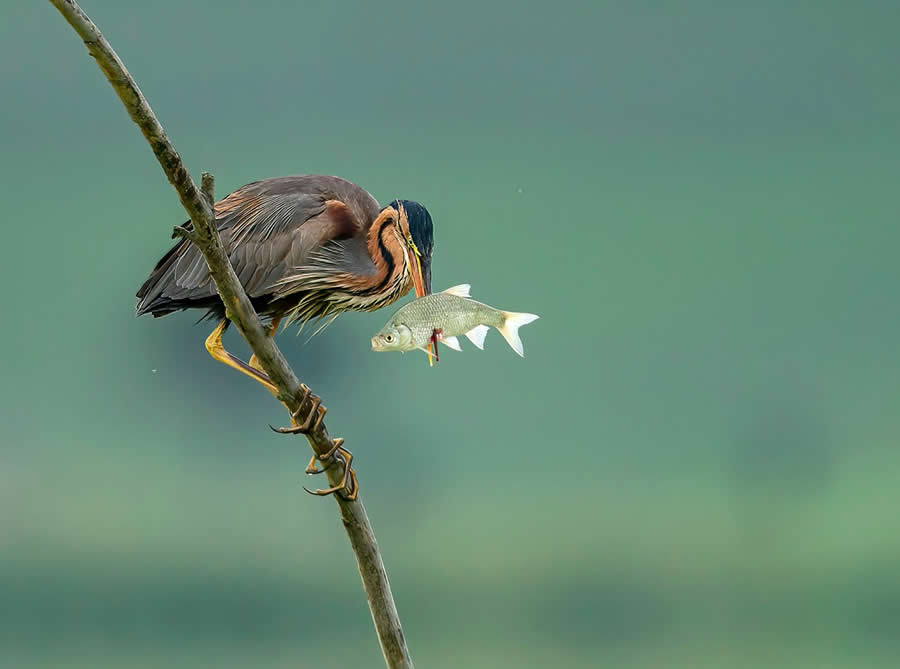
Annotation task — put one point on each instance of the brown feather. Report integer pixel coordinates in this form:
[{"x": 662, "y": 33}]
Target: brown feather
[{"x": 343, "y": 221}]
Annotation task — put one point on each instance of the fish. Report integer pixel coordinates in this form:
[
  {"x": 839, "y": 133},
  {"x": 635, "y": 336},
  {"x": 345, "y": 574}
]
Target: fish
[{"x": 451, "y": 313}]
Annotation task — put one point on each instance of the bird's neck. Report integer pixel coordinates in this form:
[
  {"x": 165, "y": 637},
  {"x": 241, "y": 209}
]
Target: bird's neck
[{"x": 389, "y": 254}]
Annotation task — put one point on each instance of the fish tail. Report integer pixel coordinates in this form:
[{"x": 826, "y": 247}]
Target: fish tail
[{"x": 509, "y": 328}]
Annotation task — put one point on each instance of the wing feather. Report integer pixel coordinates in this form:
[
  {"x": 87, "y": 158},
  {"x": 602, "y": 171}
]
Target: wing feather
[{"x": 268, "y": 228}]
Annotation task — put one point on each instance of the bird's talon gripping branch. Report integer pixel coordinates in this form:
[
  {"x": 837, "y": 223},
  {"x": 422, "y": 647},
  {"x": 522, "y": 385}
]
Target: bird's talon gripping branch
[
  {"x": 327, "y": 459},
  {"x": 348, "y": 488},
  {"x": 313, "y": 419},
  {"x": 311, "y": 468},
  {"x": 311, "y": 424},
  {"x": 304, "y": 389}
]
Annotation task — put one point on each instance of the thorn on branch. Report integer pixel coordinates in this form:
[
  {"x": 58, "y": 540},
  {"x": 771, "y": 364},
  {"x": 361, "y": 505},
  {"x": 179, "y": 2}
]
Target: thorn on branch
[
  {"x": 208, "y": 187},
  {"x": 184, "y": 233}
]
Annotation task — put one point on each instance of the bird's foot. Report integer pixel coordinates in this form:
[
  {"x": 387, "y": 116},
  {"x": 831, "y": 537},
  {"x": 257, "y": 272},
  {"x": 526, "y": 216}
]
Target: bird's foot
[
  {"x": 314, "y": 415},
  {"x": 348, "y": 488},
  {"x": 328, "y": 459}
]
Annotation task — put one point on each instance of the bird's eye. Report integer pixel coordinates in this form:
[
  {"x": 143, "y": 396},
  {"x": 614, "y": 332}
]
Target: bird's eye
[{"x": 389, "y": 338}]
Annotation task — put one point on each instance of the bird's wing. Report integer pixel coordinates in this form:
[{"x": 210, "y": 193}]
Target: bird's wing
[{"x": 268, "y": 228}]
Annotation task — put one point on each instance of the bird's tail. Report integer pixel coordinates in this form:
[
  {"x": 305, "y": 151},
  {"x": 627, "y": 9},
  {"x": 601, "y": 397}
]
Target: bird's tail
[{"x": 512, "y": 321}]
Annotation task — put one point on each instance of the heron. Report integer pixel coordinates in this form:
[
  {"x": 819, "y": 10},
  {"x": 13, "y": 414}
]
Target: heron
[{"x": 304, "y": 248}]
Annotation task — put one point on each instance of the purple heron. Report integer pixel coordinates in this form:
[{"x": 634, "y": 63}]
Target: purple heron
[{"x": 304, "y": 248}]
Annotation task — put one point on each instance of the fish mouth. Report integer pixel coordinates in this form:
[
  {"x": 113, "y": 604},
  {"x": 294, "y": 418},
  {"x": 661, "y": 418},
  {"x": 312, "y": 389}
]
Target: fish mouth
[{"x": 378, "y": 345}]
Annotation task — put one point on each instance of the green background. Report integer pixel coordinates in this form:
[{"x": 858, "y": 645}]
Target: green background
[{"x": 696, "y": 464}]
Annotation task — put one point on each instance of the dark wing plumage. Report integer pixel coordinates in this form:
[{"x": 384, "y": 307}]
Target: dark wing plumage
[{"x": 269, "y": 229}]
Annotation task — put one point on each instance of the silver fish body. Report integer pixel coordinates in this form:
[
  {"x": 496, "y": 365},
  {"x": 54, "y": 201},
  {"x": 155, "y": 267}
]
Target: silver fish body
[{"x": 453, "y": 314}]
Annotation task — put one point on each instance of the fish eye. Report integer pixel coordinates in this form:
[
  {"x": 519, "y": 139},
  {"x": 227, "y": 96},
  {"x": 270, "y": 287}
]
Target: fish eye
[{"x": 389, "y": 338}]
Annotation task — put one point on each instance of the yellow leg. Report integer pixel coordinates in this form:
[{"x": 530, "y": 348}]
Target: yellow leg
[
  {"x": 273, "y": 328},
  {"x": 218, "y": 352}
]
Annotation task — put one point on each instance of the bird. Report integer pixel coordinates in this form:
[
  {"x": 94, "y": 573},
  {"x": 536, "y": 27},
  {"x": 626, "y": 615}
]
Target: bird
[{"x": 305, "y": 248}]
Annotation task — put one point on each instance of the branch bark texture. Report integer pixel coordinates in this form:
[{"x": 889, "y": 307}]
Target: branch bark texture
[{"x": 198, "y": 203}]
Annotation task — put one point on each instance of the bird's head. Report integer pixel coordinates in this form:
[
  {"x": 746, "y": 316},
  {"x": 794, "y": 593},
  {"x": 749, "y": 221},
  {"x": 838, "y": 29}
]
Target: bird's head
[{"x": 418, "y": 234}]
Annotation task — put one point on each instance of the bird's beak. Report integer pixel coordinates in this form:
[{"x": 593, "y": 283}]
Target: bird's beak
[
  {"x": 421, "y": 274},
  {"x": 422, "y": 285}
]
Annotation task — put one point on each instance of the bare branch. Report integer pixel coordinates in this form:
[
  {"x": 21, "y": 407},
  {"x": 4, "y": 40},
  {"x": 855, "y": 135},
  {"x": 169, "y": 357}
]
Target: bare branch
[{"x": 198, "y": 203}]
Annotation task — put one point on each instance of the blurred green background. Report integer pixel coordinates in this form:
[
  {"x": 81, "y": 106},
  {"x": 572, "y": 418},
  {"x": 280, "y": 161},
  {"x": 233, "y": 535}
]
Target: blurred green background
[{"x": 696, "y": 464}]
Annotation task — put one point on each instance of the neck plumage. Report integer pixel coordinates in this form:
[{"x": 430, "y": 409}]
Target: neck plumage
[
  {"x": 388, "y": 253},
  {"x": 324, "y": 293}
]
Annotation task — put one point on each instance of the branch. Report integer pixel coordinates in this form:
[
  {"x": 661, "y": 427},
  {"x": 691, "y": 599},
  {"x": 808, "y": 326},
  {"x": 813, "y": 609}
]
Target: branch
[{"x": 199, "y": 206}]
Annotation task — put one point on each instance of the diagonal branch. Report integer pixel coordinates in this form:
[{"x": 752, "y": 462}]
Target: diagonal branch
[{"x": 199, "y": 206}]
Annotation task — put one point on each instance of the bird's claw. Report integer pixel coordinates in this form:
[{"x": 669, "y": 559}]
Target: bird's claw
[
  {"x": 314, "y": 416},
  {"x": 348, "y": 482},
  {"x": 327, "y": 459},
  {"x": 348, "y": 488}
]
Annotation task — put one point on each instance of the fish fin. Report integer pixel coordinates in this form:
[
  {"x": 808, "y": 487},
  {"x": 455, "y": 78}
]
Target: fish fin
[
  {"x": 477, "y": 334},
  {"x": 462, "y": 290},
  {"x": 452, "y": 342},
  {"x": 510, "y": 329},
  {"x": 425, "y": 351}
]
